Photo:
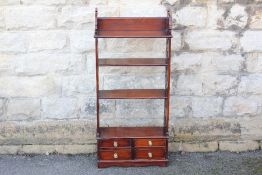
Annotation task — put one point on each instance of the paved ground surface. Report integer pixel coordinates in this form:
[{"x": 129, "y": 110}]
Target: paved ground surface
[{"x": 189, "y": 163}]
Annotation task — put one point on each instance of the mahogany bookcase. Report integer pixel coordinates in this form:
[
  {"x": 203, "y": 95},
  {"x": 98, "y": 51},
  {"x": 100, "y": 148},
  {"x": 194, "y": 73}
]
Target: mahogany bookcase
[{"x": 133, "y": 146}]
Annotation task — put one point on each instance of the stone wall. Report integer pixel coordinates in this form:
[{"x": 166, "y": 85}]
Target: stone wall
[{"x": 47, "y": 74}]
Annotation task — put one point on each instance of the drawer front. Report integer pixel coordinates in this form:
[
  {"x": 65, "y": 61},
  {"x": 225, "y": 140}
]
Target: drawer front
[
  {"x": 118, "y": 154},
  {"x": 114, "y": 143},
  {"x": 150, "y": 153},
  {"x": 149, "y": 142}
]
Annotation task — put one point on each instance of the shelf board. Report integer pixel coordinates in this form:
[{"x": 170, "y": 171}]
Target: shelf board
[
  {"x": 132, "y": 34},
  {"x": 133, "y": 27},
  {"x": 133, "y": 62},
  {"x": 132, "y": 132},
  {"x": 132, "y": 94}
]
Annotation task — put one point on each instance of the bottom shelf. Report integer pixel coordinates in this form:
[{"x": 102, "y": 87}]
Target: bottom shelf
[
  {"x": 129, "y": 163},
  {"x": 132, "y": 132}
]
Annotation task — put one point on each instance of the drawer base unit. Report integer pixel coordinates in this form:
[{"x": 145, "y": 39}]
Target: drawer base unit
[{"x": 133, "y": 146}]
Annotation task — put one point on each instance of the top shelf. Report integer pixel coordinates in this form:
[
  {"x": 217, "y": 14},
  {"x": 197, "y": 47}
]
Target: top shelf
[{"x": 133, "y": 27}]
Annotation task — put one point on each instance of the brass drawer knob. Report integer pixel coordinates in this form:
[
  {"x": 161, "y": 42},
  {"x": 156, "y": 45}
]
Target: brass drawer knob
[
  {"x": 115, "y": 156},
  {"x": 150, "y": 155},
  {"x": 150, "y": 143},
  {"x": 115, "y": 144}
]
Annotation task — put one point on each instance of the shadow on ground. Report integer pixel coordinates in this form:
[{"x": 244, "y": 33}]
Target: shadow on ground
[{"x": 188, "y": 163}]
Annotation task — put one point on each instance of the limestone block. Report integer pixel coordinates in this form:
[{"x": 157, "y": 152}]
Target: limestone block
[
  {"x": 10, "y": 149},
  {"x": 250, "y": 84},
  {"x": 59, "y": 108},
  {"x": 236, "y": 18},
  {"x": 78, "y": 149},
  {"x": 131, "y": 122},
  {"x": 129, "y": 8},
  {"x": 139, "y": 109},
  {"x": 204, "y": 129},
  {"x": 133, "y": 81},
  {"x": 226, "y": 1},
  {"x": 78, "y": 2},
  {"x": 251, "y": 128},
  {"x": 193, "y": 146},
  {"x": 47, "y": 40},
  {"x": 9, "y": 2},
  {"x": 15, "y": 42},
  {"x": 210, "y": 39},
  {"x": 131, "y": 71},
  {"x": 29, "y": 86},
  {"x": 256, "y": 20},
  {"x": 79, "y": 84},
  {"x": 181, "y": 106},
  {"x": 238, "y": 146},
  {"x": 82, "y": 41},
  {"x": 137, "y": 10},
  {"x": 2, "y": 23},
  {"x": 27, "y": 17},
  {"x": 130, "y": 45},
  {"x": 76, "y": 16},
  {"x": 206, "y": 106},
  {"x": 99, "y": 2},
  {"x": 46, "y": 2},
  {"x": 240, "y": 106},
  {"x": 188, "y": 85},
  {"x": 60, "y": 149},
  {"x": 223, "y": 64},
  {"x": 23, "y": 109},
  {"x": 215, "y": 84},
  {"x": 107, "y": 108},
  {"x": 250, "y": 41},
  {"x": 48, "y": 132},
  {"x": 90, "y": 63},
  {"x": 187, "y": 62},
  {"x": 87, "y": 107},
  {"x": 1, "y": 107},
  {"x": 7, "y": 64},
  {"x": 215, "y": 15},
  {"x": 254, "y": 63},
  {"x": 176, "y": 41},
  {"x": 190, "y": 17},
  {"x": 207, "y": 62},
  {"x": 41, "y": 63}
]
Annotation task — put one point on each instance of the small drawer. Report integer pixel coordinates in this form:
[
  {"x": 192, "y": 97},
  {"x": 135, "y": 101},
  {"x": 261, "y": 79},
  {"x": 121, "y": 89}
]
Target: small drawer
[
  {"x": 149, "y": 142},
  {"x": 114, "y": 143},
  {"x": 117, "y": 154},
  {"x": 150, "y": 153}
]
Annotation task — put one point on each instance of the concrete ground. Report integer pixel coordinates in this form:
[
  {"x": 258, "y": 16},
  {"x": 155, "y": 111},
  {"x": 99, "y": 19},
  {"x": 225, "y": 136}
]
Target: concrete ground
[{"x": 248, "y": 163}]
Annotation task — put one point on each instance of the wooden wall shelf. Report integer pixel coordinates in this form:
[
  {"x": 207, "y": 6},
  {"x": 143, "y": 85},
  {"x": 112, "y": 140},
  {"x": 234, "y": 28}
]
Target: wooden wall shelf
[{"x": 133, "y": 146}]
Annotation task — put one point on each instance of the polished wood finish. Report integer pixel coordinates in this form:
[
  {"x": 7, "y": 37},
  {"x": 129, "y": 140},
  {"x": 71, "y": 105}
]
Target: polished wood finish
[
  {"x": 132, "y": 27},
  {"x": 133, "y": 62},
  {"x": 133, "y": 146},
  {"x": 133, "y": 94},
  {"x": 114, "y": 143},
  {"x": 150, "y": 153},
  {"x": 133, "y": 163},
  {"x": 132, "y": 132},
  {"x": 149, "y": 142},
  {"x": 116, "y": 154}
]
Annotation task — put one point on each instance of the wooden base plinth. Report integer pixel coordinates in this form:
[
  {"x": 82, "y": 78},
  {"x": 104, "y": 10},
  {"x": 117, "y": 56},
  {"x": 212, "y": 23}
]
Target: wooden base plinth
[{"x": 132, "y": 163}]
